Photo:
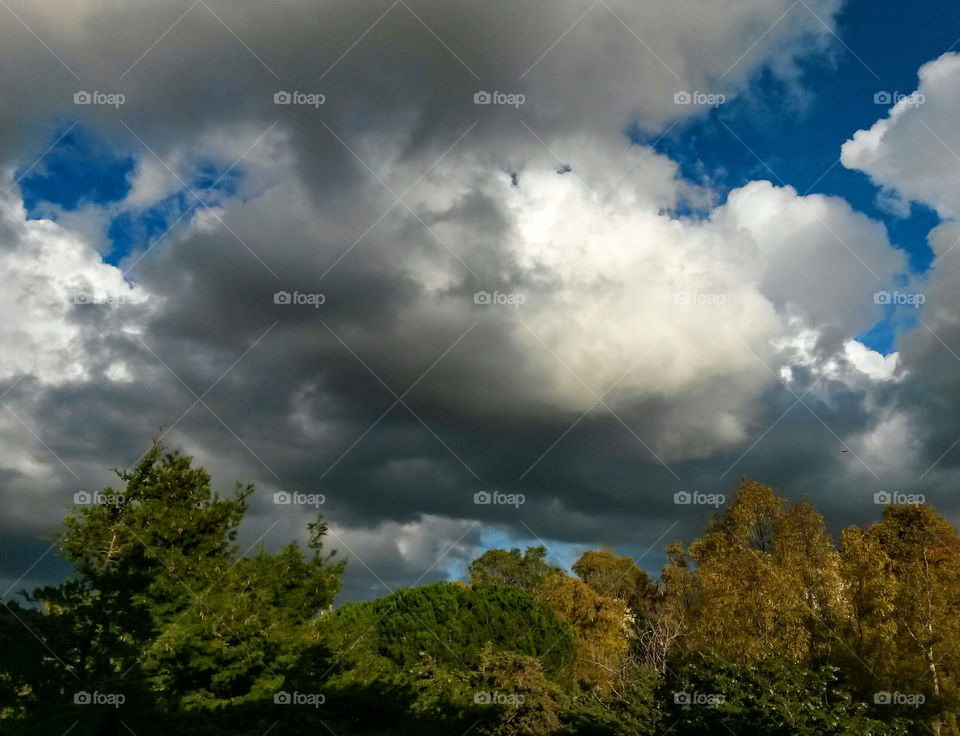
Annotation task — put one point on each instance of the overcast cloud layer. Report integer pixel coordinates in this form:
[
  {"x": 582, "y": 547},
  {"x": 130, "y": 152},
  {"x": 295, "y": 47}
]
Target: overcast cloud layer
[{"x": 516, "y": 297}]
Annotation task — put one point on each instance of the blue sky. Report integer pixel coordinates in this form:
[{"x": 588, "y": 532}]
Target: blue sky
[
  {"x": 87, "y": 168},
  {"x": 798, "y": 144}
]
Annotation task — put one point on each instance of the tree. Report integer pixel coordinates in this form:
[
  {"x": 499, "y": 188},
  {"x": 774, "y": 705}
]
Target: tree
[
  {"x": 772, "y": 695},
  {"x": 617, "y": 577},
  {"x": 500, "y": 567},
  {"x": 664, "y": 628},
  {"x": 766, "y": 580},
  {"x": 450, "y": 623},
  {"x": 903, "y": 578},
  {"x": 162, "y": 609},
  {"x": 599, "y": 625}
]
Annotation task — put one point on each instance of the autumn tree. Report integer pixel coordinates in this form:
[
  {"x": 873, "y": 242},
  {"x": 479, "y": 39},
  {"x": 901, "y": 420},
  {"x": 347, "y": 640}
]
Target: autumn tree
[
  {"x": 766, "y": 579},
  {"x": 903, "y": 581}
]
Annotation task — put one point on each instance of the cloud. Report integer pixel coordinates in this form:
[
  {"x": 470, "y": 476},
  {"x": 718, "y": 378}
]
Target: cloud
[
  {"x": 399, "y": 200},
  {"x": 915, "y": 150}
]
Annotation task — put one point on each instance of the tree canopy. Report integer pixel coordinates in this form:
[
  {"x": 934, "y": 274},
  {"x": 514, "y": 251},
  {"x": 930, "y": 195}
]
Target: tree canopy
[{"x": 762, "y": 625}]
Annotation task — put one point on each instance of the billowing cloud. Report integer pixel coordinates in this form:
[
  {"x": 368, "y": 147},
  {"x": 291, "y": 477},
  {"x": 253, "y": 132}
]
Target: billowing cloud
[
  {"x": 520, "y": 299},
  {"x": 914, "y": 151}
]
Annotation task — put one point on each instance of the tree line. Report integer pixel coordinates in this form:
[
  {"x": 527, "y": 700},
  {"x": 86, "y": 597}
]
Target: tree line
[{"x": 764, "y": 624}]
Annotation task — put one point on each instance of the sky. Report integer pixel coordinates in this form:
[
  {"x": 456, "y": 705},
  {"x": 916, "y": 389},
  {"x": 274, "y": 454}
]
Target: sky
[{"x": 463, "y": 275}]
